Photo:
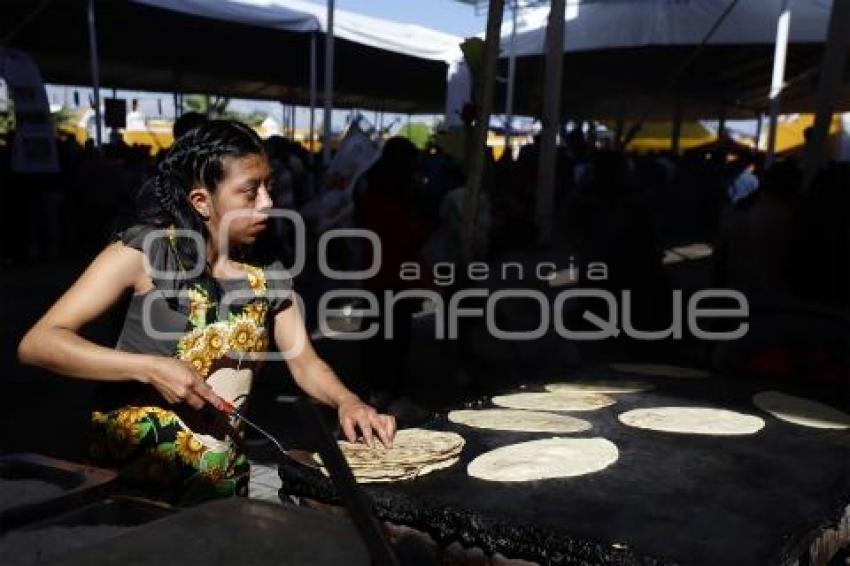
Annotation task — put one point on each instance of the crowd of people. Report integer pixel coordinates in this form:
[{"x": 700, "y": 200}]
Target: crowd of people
[{"x": 775, "y": 238}]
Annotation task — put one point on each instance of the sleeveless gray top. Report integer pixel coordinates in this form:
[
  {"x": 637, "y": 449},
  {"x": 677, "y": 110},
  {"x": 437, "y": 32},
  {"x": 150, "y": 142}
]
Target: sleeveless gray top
[{"x": 209, "y": 323}]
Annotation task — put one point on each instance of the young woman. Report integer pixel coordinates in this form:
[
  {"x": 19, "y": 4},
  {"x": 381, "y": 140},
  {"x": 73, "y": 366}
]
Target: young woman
[{"x": 192, "y": 336}]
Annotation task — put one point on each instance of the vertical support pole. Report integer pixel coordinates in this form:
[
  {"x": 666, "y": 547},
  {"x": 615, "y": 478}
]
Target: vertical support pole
[
  {"x": 831, "y": 74},
  {"x": 509, "y": 102},
  {"x": 311, "y": 187},
  {"x": 676, "y": 134},
  {"x": 759, "y": 119},
  {"x": 329, "y": 85},
  {"x": 619, "y": 130},
  {"x": 551, "y": 120},
  {"x": 476, "y": 157},
  {"x": 95, "y": 73},
  {"x": 777, "y": 81}
]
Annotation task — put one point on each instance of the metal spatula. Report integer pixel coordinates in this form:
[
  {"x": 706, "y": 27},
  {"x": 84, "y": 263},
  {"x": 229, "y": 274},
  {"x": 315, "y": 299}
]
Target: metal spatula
[{"x": 232, "y": 411}]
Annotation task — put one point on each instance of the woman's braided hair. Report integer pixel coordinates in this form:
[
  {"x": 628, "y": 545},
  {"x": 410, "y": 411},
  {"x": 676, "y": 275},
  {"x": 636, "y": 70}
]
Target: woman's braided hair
[{"x": 195, "y": 159}]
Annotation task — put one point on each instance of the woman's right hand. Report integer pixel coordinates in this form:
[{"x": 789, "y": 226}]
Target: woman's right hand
[{"x": 179, "y": 382}]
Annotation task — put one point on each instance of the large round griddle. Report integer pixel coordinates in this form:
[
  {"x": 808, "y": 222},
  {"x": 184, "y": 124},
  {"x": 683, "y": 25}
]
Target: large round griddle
[{"x": 669, "y": 499}]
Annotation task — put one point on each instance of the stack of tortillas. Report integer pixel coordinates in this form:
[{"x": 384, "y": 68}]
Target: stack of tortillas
[{"x": 415, "y": 452}]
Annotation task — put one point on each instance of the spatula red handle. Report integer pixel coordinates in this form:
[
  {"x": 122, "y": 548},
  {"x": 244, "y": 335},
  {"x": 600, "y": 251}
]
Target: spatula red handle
[{"x": 227, "y": 408}]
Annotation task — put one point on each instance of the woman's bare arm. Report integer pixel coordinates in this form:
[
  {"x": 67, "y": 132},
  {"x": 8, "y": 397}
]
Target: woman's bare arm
[
  {"x": 54, "y": 342},
  {"x": 319, "y": 381}
]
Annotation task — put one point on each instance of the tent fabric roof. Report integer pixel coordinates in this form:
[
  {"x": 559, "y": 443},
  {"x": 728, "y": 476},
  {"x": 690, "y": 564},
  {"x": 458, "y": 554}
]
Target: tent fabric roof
[
  {"x": 249, "y": 49},
  {"x": 620, "y": 56},
  {"x": 301, "y": 16},
  {"x": 409, "y": 39},
  {"x": 260, "y": 13},
  {"x": 610, "y": 24}
]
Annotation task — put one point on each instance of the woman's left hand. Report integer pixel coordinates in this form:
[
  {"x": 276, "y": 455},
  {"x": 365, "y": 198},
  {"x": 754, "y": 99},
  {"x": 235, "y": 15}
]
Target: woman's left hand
[{"x": 354, "y": 414}]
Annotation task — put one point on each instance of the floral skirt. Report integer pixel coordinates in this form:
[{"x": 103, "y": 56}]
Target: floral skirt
[{"x": 156, "y": 452}]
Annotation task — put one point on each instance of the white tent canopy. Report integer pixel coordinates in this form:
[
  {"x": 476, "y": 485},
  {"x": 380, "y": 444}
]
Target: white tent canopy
[
  {"x": 409, "y": 39},
  {"x": 259, "y": 49},
  {"x": 301, "y": 16},
  {"x": 612, "y": 24},
  {"x": 627, "y": 56},
  {"x": 260, "y": 13},
  {"x": 304, "y": 17}
]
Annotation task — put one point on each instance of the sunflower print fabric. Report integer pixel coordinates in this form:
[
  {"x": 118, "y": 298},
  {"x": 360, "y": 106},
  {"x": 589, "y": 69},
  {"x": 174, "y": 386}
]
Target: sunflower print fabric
[
  {"x": 242, "y": 334},
  {"x": 153, "y": 448},
  {"x": 157, "y": 452}
]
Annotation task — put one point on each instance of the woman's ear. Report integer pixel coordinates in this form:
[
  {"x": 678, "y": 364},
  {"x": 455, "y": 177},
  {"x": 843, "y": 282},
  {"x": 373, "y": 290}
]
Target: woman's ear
[{"x": 201, "y": 200}]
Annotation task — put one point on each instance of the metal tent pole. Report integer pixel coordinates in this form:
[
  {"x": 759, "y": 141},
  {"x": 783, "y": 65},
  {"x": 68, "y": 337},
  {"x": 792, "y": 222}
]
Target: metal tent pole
[
  {"x": 95, "y": 73},
  {"x": 777, "y": 81},
  {"x": 313, "y": 88},
  {"x": 676, "y": 134},
  {"x": 509, "y": 103},
  {"x": 329, "y": 84}
]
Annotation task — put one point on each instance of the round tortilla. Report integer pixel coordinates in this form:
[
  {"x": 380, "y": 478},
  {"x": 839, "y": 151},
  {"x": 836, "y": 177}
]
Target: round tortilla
[
  {"x": 547, "y": 401},
  {"x": 800, "y": 411},
  {"x": 518, "y": 420},
  {"x": 694, "y": 251},
  {"x": 599, "y": 386},
  {"x": 693, "y": 420},
  {"x": 544, "y": 459},
  {"x": 662, "y": 370}
]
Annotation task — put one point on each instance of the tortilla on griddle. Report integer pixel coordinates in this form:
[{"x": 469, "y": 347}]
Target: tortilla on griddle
[
  {"x": 544, "y": 459},
  {"x": 547, "y": 401},
  {"x": 662, "y": 370},
  {"x": 694, "y": 251},
  {"x": 800, "y": 411},
  {"x": 693, "y": 420},
  {"x": 608, "y": 386},
  {"x": 518, "y": 420}
]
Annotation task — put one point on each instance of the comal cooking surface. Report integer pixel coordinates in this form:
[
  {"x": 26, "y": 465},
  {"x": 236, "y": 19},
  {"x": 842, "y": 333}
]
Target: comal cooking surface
[{"x": 670, "y": 498}]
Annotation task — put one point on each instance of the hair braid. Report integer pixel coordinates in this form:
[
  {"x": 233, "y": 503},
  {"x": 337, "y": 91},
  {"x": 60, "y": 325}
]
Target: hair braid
[{"x": 195, "y": 159}]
